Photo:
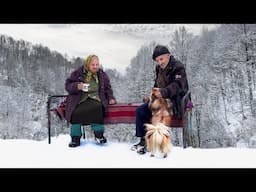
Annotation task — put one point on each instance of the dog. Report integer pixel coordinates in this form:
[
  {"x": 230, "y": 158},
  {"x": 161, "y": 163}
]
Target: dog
[
  {"x": 161, "y": 109},
  {"x": 158, "y": 139},
  {"x": 157, "y": 136}
]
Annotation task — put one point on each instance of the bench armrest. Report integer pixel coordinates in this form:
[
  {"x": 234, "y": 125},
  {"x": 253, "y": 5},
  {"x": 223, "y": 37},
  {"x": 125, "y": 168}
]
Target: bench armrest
[{"x": 184, "y": 101}]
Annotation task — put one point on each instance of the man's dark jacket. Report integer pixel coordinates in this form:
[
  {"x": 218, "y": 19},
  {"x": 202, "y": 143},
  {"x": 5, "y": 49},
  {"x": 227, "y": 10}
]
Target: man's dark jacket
[{"x": 177, "y": 84}]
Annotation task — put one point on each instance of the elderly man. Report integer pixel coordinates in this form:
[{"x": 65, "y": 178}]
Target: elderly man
[{"x": 171, "y": 82}]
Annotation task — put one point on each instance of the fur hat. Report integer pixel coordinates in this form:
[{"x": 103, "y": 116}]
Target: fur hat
[{"x": 159, "y": 50}]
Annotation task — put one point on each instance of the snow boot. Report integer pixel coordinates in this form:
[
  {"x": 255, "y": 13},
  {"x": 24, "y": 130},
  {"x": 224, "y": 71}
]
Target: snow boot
[
  {"x": 75, "y": 141},
  {"x": 142, "y": 150},
  {"x": 139, "y": 145},
  {"x": 99, "y": 137}
]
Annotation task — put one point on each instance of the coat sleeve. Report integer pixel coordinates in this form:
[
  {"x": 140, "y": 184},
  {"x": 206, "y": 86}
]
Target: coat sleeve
[
  {"x": 71, "y": 83},
  {"x": 177, "y": 86},
  {"x": 107, "y": 88},
  {"x": 156, "y": 74}
]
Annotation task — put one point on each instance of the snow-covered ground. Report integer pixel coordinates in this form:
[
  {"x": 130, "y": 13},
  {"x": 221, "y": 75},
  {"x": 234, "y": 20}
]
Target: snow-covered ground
[{"x": 40, "y": 154}]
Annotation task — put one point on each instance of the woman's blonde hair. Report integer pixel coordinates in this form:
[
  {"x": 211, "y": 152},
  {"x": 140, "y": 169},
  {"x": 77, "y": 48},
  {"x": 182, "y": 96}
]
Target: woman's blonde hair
[
  {"x": 88, "y": 60},
  {"x": 89, "y": 74}
]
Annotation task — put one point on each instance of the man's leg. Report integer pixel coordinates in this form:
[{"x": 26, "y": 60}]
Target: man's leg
[{"x": 143, "y": 115}]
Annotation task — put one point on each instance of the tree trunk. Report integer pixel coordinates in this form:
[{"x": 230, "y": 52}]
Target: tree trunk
[
  {"x": 242, "y": 103},
  {"x": 249, "y": 75},
  {"x": 7, "y": 99},
  {"x": 250, "y": 89},
  {"x": 253, "y": 75},
  {"x": 224, "y": 102},
  {"x": 197, "y": 114}
]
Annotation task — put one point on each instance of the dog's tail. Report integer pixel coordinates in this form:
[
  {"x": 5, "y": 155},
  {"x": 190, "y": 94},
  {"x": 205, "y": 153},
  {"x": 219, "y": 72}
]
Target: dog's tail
[
  {"x": 159, "y": 128},
  {"x": 163, "y": 128},
  {"x": 166, "y": 139},
  {"x": 157, "y": 134},
  {"x": 157, "y": 138}
]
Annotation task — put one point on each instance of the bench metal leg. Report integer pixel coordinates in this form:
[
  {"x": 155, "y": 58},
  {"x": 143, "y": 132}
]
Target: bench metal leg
[
  {"x": 185, "y": 129},
  {"x": 184, "y": 138},
  {"x": 49, "y": 119},
  {"x": 83, "y": 132}
]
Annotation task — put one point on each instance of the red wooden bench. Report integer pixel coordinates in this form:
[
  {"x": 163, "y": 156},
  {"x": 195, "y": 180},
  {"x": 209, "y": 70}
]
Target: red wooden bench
[{"x": 124, "y": 113}]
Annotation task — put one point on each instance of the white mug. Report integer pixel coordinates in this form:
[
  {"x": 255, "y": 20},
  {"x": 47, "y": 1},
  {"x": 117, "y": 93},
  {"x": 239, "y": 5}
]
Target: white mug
[{"x": 85, "y": 87}]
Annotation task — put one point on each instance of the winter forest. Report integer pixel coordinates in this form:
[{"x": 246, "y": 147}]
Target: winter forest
[{"x": 220, "y": 66}]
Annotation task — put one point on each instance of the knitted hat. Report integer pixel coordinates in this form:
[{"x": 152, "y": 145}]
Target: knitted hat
[{"x": 159, "y": 50}]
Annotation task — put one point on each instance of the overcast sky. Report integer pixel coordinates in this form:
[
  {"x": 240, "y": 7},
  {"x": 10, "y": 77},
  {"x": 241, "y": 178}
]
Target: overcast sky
[{"x": 115, "y": 44}]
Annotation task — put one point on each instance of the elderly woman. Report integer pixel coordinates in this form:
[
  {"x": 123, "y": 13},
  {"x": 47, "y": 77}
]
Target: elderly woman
[{"x": 90, "y": 93}]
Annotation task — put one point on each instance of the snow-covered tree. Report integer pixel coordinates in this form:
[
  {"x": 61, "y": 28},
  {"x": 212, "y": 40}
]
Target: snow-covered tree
[{"x": 181, "y": 43}]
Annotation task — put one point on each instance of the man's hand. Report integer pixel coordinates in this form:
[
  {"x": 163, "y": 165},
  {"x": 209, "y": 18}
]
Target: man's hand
[
  {"x": 112, "y": 101},
  {"x": 156, "y": 92}
]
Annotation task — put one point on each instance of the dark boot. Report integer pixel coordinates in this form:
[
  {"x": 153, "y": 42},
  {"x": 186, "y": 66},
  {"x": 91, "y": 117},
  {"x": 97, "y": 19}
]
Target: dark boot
[
  {"x": 75, "y": 141},
  {"x": 99, "y": 137},
  {"x": 139, "y": 145},
  {"x": 142, "y": 150}
]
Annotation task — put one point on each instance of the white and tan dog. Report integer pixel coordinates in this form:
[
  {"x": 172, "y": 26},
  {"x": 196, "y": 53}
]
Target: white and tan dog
[{"x": 158, "y": 139}]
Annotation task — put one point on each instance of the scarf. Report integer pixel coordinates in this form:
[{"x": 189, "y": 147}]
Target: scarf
[{"x": 89, "y": 74}]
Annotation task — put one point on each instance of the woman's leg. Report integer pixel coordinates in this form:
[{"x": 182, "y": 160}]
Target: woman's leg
[
  {"x": 75, "y": 133},
  {"x": 75, "y": 130},
  {"x": 98, "y": 132}
]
